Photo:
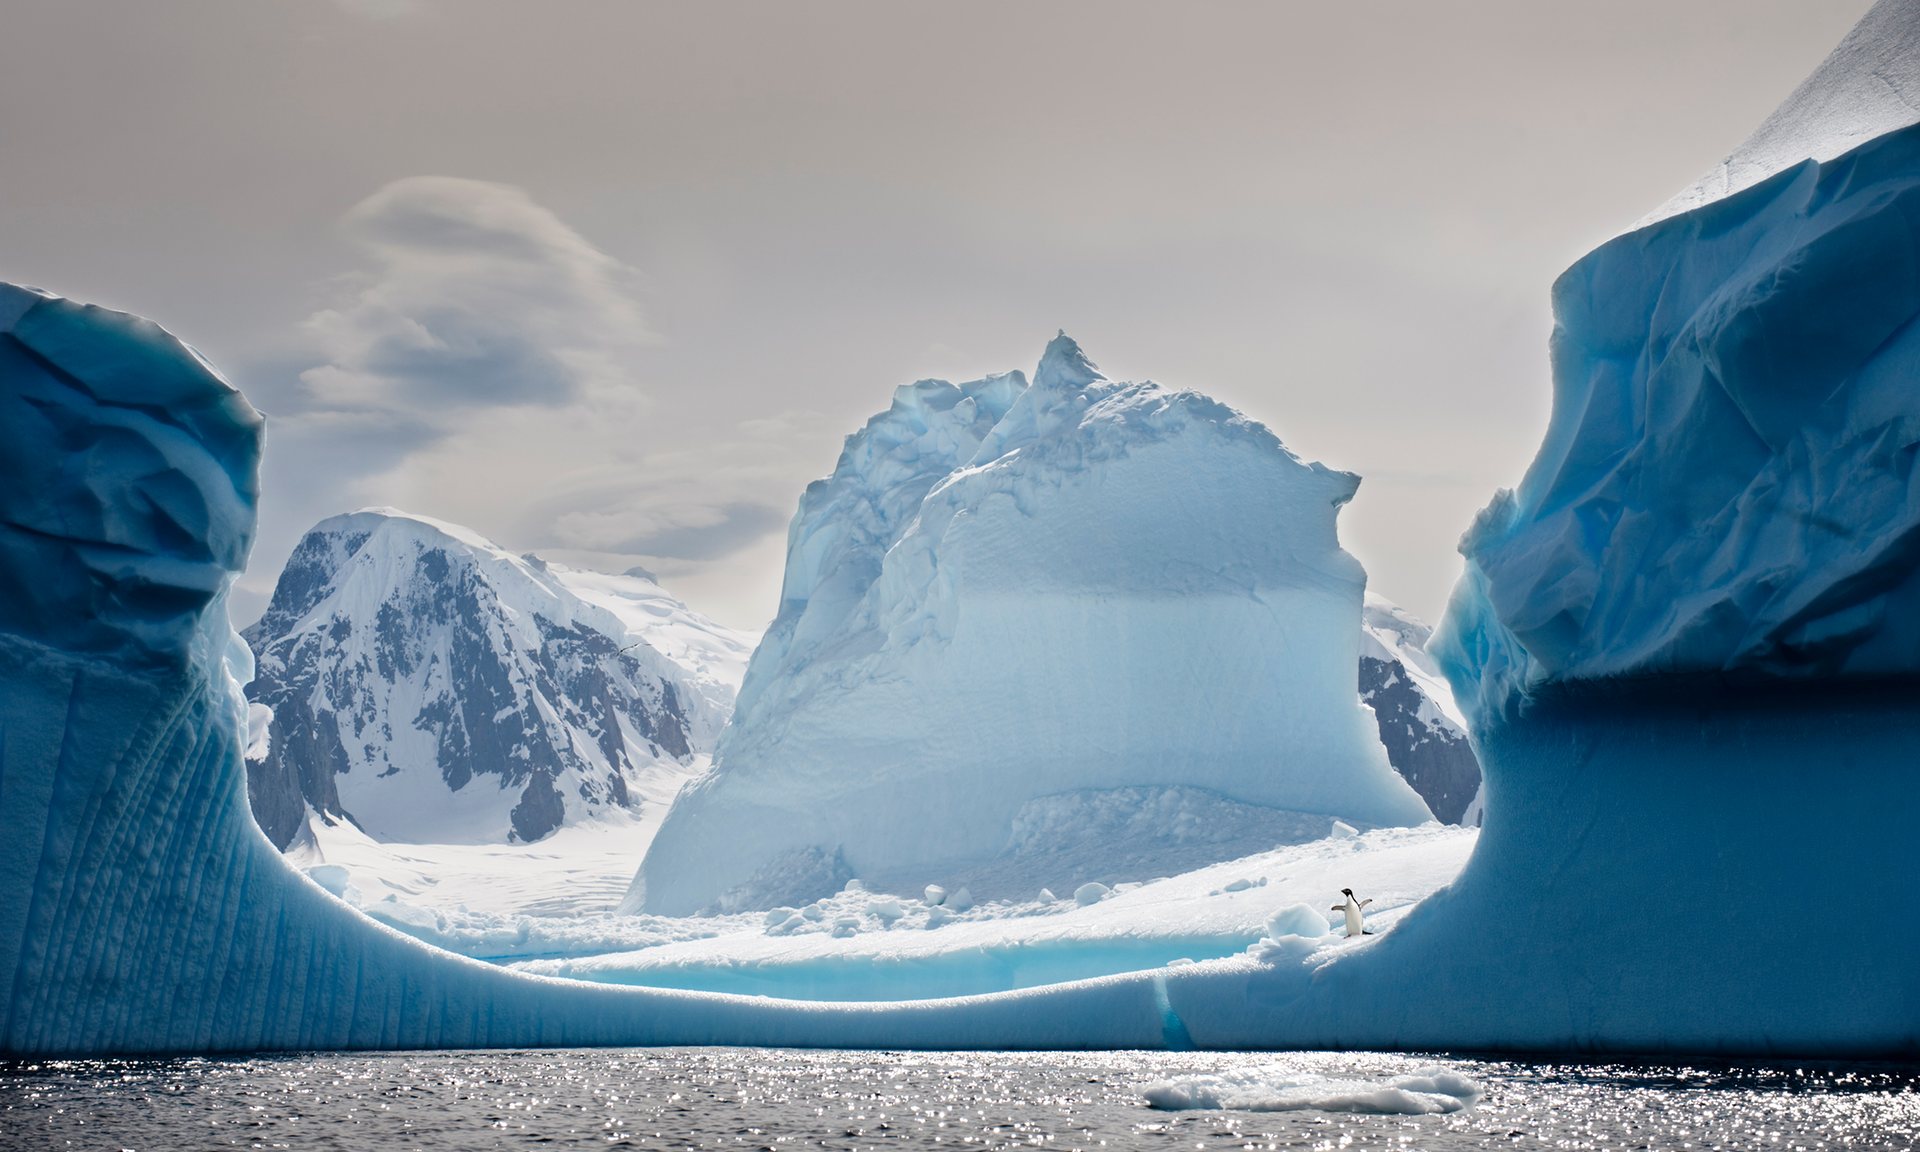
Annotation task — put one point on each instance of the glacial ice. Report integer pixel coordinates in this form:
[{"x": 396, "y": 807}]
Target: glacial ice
[{"x": 1010, "y": 596}]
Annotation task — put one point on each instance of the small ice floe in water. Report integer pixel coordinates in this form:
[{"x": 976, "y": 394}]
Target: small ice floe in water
[{"x": 1427, "y": 1093}]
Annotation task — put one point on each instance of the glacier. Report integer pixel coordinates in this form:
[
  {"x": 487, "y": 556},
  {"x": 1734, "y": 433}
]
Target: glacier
[
  {"x": 1014, "y": 607},
  {"x": 428, "y": 686}
]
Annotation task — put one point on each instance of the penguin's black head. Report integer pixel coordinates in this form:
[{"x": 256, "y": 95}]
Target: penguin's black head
[{"x": 1346, "y": 891}]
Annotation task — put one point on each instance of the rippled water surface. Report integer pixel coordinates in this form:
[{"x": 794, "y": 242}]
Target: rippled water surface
[{"x": 756, "y": 1098}]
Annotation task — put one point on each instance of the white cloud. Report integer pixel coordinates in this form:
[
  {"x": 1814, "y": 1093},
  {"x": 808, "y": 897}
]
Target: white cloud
[
  {"x": 486, "y": 367},
  {"x": 479, "y": 297}
]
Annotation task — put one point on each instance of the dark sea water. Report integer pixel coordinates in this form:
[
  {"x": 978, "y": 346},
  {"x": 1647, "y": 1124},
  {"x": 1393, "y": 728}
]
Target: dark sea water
[{"x": 758, "y": 1098}]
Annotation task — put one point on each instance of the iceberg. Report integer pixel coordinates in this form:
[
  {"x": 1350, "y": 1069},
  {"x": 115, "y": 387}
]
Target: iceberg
[
  {"x": 1014, "y": 607},
  {"x": 1687, "y": 646}
]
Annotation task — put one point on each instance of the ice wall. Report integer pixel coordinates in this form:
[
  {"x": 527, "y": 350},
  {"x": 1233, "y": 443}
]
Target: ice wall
[
  {"x": 1727, "y": 488},
  {"x": 1687, "y": 645},
  {"x": 1124, "y": 586}
]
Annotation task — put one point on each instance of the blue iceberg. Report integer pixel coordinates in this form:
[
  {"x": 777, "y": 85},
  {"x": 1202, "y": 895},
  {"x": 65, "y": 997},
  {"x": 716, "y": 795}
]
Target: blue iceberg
[{"x": 1687, "y": 647}]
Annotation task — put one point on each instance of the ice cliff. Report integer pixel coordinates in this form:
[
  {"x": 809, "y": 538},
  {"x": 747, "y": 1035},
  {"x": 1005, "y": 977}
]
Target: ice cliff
[
  {"x": 1010, "y": 605},
  {"x": 430, "y": 686}
]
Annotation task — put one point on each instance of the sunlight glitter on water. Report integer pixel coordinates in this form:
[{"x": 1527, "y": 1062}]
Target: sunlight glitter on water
[{"x": 783, "y": 1099}]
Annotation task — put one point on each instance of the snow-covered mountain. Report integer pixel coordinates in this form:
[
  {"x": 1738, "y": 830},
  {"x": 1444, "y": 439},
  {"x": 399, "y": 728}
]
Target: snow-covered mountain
[
  {"x": 1041, "y": 634},
  {"x": 432, "y": 687},
  {"x": 1425, "y": 735}
]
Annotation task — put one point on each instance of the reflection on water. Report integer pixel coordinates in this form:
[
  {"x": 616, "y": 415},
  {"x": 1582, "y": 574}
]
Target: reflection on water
[{"x": 783, "y": 1099}]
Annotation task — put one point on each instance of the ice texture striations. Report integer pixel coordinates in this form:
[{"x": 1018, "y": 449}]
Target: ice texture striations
[
  {"x": 1728, "y": 485},
  {"x": 1005, "y": 596},
  {"x": 430, "y": 686}
]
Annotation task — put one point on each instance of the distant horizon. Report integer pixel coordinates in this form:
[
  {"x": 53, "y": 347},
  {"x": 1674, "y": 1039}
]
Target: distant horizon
[{"x": 611, "y": 286}]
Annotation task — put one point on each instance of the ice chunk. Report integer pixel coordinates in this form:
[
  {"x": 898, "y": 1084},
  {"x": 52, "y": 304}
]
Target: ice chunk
[
  {"x": 1297, "y": 920},
  {"x": 1090, "y": 893},
  {"x": 1436, "y": 1092},
  {"x": 1726, "y": 488}
]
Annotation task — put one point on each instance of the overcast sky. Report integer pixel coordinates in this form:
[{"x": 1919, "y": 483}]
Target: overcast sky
[{"x": 611, "y": 281}]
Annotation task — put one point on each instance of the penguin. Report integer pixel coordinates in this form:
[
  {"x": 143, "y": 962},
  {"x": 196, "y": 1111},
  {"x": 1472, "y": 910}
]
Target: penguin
[{"x": 1355, "y": 910}]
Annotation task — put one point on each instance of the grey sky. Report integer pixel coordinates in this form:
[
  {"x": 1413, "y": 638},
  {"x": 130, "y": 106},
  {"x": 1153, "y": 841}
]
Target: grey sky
[{"x": 611, "y": 281}]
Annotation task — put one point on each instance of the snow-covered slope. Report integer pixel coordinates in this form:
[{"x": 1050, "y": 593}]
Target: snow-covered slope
[
  {"x": 995, "y": 623},
  {"x": 1424, "y": 733},
  {"x": 1868, "y": 86},
  {"x": 431, "y": 687}
]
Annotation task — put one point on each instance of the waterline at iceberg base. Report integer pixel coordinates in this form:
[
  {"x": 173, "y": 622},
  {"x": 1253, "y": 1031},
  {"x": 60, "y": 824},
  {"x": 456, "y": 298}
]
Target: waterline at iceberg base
[{"x": 1676, "y": 868}]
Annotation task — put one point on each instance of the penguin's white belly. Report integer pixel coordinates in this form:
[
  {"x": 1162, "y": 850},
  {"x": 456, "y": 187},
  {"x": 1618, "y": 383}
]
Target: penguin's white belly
[{"x": 1355, "y": 925}]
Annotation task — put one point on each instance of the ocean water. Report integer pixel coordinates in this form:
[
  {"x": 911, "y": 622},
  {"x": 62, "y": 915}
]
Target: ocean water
[{"x": 736, "y": 1098}]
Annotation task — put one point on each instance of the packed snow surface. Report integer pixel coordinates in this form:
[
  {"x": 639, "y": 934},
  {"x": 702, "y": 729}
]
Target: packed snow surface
[{"x": 1007, "y": 596}]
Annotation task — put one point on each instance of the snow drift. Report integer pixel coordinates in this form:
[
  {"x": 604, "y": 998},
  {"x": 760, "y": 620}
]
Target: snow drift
[
  {"x": 1009, "y": 595},
  {"x": 430, "y": 686}
]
